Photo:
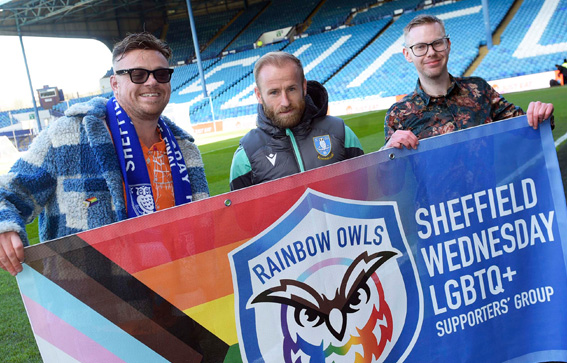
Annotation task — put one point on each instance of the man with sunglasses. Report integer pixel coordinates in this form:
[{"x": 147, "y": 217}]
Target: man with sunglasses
[
  {"x": 442, "y": 103},
  {"x": 105, "y": 160}
]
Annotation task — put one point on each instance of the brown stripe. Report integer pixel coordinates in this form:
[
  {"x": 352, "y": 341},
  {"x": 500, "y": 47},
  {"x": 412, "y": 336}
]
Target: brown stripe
[{"x": 108, "y": 289}]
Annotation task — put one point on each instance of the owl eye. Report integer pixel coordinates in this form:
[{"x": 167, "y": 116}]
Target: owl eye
[
  {"x": 306, "y": 317},
  {"x": 361, "y": 296}
]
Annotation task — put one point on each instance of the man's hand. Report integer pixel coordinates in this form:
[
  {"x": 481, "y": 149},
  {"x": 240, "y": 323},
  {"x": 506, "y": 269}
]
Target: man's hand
[
  {"x": 11, "y": 252},
  {"x": 538, "y": 112},
  {"x": 402, "y": 138}
]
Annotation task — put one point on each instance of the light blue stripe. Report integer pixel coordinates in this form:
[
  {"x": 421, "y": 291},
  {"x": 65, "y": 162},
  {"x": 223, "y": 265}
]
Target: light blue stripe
[
  {"x": 83, "y": 318},
  {"x": 295, "y": 150},
  {"x": 543, "y": 356}
]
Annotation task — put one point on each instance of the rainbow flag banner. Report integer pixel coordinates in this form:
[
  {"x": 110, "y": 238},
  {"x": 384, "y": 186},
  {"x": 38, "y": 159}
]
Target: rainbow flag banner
[{"x": 451, "y": 252}]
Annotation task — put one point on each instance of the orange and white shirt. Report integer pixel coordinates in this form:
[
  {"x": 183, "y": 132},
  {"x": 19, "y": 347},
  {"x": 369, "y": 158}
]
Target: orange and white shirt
[{"x": 160, "y": 174}]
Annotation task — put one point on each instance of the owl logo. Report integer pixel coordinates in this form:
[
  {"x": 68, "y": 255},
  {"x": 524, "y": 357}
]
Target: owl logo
[
  {"x": 353, "y": 325},
  {"x": 332, "y": 280},
  {"x": 142, "y": 193},
  {"x": 322, "y": 145}
]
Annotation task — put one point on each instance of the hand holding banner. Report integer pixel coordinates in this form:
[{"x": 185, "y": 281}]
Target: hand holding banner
[{"x": 453, "y": 251}]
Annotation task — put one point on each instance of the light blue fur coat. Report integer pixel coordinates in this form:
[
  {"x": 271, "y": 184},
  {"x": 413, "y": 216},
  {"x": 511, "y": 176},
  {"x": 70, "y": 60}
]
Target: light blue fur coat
[{"x": 71, "y": 161}]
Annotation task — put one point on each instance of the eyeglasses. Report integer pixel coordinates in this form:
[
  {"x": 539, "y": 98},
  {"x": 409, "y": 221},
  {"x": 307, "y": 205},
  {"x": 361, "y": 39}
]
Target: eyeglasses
[
  {"x": 141, "y": 75},
  {"x": 421, "y": 49}
]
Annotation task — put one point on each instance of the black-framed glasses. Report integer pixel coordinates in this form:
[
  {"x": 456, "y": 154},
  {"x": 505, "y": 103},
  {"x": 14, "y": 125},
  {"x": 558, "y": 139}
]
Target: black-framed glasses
[
  {"x": 439, "y": 45},
  {"x": 141, "y": 75}
]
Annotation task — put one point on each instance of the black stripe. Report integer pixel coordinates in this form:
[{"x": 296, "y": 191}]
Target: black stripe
[{"x": 98, "y": 282}]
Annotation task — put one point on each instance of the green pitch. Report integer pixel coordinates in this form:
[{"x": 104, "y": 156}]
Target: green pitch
[{"x": 16, "y": 339}]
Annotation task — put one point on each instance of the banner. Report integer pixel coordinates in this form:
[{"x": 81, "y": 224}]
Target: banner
[{"x": 451, "y": 252}]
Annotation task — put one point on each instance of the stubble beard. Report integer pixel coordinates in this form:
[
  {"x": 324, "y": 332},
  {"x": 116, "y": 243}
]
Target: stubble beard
[{"x": 436, "y": 73}]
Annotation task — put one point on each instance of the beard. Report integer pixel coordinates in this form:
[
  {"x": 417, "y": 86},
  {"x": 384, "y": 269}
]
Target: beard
[{"x": 285, "y": 121}]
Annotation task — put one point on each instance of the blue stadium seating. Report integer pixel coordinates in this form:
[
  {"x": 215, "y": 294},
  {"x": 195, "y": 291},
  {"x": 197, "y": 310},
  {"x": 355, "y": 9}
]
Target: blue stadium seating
[
  {"x": 352, "y": 61},
  {"x": 221, "y": 78},
  {"x": 279, "y": 14},
  {"x": 5, "y": 115},
  {"x": 384, "y": 10},
  {"x": 5, "y": 118},
  {"x": 179, "y": 35},
  {"x": 229, "y": 34},
  {"x": 547, "y": 47},
  {"x": 186, "y": 73},
  {"x": 334, "y": 13},
  {"x": 322, "y": 55},
  {"x": 381, "y": 68}
]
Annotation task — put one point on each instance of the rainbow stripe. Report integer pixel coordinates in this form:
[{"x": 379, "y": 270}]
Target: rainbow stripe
[{"x": 153, "y": 288}]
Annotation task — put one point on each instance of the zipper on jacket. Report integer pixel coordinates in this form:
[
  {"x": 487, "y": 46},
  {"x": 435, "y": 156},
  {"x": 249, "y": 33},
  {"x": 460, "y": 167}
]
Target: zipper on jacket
[{"x": 295, "y": 149}]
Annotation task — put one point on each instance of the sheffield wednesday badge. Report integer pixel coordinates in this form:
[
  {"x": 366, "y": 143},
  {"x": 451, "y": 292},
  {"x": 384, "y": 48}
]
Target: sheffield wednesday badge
[
  {"x": 142, "y": 193},
  {"x": 333, "y": 280},
  {"x": 322, "y": 145}
]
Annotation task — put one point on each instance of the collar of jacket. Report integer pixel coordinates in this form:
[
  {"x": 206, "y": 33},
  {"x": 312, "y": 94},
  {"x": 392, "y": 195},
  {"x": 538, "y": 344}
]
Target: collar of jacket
[
  {"x": 427, "y": 98},
  {"x": 316, "y": 105},
  {"x": 96, "y": 107}
]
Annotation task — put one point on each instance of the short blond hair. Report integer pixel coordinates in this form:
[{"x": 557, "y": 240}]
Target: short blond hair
[
  {"x": 422, "y": 20},
  {"x": 277, "y": 59}
]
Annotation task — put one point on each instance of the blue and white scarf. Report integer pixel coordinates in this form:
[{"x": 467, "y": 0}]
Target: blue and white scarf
[{"x": 139, "y": 196}]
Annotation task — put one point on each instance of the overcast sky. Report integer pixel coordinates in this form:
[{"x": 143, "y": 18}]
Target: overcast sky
[{"x": 73, "y": 65}]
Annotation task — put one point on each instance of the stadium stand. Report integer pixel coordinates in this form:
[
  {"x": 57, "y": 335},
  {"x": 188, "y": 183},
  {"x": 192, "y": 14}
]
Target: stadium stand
[
  {"x": 5, "y": 115},
  {"x": 181, "y": 41},
  {"x": 225, "y": 37},
  {"x": 186, "y": 73},
  {"x": 359, "y": 60},
  {"x": 279, "y": 14},
  {"x": 324, "y": 54},
  {"x": 381, "y": 68},
  {"x": 4, "y": 119},
  {"x": 540, "y": 22},
  {"x": 384, "y": 9},
  {"x": 334, "y": 13},
  {"x": 223, "y": 79},
  {"x": 63, "y": 106}
]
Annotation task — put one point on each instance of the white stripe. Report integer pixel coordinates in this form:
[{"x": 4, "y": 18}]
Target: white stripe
[
  {"x": 326, "y": 53},
  {"x": 529, "y": 46},
  {"x": 303, "y": 48},
  {"x": 222, "y": 148},
  {"x": 560, "y": 140},
  {"x": 399, "y": 43},
  {"x": 379, "y": 62},
  {"x": 51, "y": 353}
]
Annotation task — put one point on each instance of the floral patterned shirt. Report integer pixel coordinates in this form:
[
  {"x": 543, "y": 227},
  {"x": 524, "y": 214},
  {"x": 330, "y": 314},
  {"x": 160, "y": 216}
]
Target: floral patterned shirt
[{"x": 469, "y": 102}]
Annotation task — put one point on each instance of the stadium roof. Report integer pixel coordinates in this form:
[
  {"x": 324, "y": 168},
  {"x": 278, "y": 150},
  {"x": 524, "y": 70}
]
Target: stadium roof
[{"x": 105, "y": 20}]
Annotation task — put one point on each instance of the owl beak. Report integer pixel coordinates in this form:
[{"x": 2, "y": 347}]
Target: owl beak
[{"x": 337, "y": 323}]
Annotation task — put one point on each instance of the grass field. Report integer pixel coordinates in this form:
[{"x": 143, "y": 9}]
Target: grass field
[{"x": 16, "y": 340}]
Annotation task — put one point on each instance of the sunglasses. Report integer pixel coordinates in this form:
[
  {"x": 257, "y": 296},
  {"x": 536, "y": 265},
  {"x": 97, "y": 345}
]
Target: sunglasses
[{"x": 141, "y": 75}]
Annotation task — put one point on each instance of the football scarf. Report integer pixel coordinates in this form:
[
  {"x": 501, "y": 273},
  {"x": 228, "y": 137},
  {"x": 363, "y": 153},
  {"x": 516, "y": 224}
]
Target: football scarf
[{"x": 139, "y": 196}]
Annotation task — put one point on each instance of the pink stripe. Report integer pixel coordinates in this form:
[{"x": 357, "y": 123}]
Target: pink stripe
[{"x": 65, "y": 337}]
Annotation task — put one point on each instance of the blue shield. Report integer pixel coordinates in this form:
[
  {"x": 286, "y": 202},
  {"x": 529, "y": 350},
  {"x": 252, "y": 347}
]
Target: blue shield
[
  {"x": 329, "y": 274},
  {"x": 322, "y": 145}
]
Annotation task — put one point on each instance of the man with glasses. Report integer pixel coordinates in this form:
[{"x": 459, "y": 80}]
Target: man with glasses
[
  {"x": 105, "y": 160},
  {"x": 442, "y": 103}
]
